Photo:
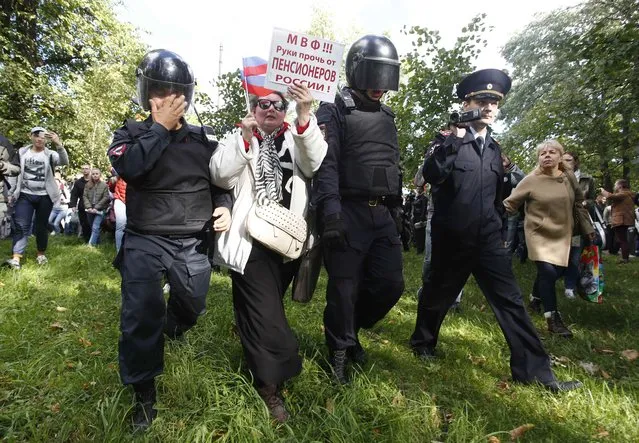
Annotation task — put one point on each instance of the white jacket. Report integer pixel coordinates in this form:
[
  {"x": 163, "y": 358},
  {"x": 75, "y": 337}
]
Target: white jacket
[{"x": 233, "y": 168}]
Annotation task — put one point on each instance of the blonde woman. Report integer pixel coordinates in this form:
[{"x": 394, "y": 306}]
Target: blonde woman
[{"x": 549, "y": 194}]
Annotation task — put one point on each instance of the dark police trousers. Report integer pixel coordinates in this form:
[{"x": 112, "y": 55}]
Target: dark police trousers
[
  {"x": 143, "y": 262},
  {"x": 365, "y": 279},
  {"x": 490, "y": 262}
]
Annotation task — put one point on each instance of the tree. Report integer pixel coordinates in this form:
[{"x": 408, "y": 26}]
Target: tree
[
  {"x": 576, "y": 80},
  {"x": 68, "y": 65},
  {"x": 425, "y": 96},
  {"x": 224, "y": 118}
]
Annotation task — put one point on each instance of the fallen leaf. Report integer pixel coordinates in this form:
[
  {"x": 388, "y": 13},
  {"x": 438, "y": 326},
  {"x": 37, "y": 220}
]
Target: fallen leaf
[
  {"x": 482, "y": 308},
  {"x": 493, "y": 439},
  {"x": 589, "y": 367},
  {"x": 503, "y": 385},
  {"x": 330, "y": 405},
  {"x": 385, "y": 342},
  {"x": 601, "y": 433},
  {"x": 520, "y": 431},
  {"x": 398, "y": 400},
  {"x": 605, "y": 351},
  {"x": 96, "y": 353},
  {"x": 70, "y": 365},
  {"x": 630, "y": 354},
  {"x": 56, "y": 326},
  {"x": 477, "y": 360},
  {"x": 605, "y": 375},
  {"x": 55, "y": 408},
  {"x": 86, "y": 343},
  {"x": 61, "y": 309},
  {"x": 376, "y": 431}
]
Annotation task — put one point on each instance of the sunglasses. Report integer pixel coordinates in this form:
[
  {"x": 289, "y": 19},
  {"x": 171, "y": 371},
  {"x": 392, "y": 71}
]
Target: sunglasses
[{"x": 265, "y": 104}]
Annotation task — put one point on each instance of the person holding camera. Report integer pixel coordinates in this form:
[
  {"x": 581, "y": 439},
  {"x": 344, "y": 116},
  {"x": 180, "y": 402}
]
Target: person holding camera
[
  {"x": 35, "y": 191},
  {"x": 466, "y": 173}
]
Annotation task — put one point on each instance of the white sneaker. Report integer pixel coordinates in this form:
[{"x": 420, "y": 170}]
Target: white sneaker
[
  {"x": 12, "y": 263},
  {"x": 42, "y": 260},
  {"x": 569, "y": 293}
]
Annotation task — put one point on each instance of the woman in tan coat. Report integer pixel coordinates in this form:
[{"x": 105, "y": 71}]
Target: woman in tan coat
[
  {"x": 549, "y": 194},
  {"x": 623, "y": 214}
]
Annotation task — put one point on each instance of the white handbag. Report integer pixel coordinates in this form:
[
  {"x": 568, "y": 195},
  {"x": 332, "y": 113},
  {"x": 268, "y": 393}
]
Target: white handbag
[{"x": 277, "y": 228}]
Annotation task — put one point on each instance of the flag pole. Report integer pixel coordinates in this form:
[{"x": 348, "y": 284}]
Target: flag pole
[{"x": 246, "y": 96}]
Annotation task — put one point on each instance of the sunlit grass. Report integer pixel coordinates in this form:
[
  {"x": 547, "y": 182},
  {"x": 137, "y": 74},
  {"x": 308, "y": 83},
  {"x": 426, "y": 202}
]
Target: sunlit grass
[{"x": 59, "y": 375}]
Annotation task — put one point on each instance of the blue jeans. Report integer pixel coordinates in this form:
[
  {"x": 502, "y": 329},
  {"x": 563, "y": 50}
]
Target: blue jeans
[
  {"x": 25, "y": 207},
  {"x": 95, "y": 220},
  {"x": 120, "y": 222},
  {"x": 56, "y": 217}
]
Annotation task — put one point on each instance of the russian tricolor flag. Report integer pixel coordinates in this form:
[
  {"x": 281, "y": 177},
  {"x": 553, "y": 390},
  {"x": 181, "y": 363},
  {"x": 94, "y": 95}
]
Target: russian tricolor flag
[{"x": 254, "y": 75}]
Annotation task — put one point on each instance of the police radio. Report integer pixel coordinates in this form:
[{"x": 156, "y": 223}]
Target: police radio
[{"x": 458, "y": 118}]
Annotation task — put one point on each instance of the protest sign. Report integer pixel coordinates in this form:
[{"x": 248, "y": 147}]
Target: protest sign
[{"x": 301, "y": 58}]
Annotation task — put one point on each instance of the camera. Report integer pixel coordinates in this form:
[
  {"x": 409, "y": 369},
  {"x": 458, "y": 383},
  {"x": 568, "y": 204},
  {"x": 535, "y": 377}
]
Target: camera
[{"x": 465, "y": 116}]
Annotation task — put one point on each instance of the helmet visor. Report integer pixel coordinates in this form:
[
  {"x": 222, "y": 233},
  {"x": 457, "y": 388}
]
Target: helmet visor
[
  {"x": 149, "y": 88},
  {"x": 377, "y": 74}
]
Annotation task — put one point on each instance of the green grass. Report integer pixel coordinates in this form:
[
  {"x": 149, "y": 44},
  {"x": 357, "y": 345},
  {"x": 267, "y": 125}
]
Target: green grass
[{"x": 59, "y": 370}]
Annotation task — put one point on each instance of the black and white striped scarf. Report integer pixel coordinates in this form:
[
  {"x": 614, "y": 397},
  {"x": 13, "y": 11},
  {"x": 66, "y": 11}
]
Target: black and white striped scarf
[{"x": 268, "y": 180}]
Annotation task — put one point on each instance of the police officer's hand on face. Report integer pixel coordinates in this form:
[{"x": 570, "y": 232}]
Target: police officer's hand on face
[
  {"x": 334, "y": 234},
  {"x": 249, "y": 125},
  {"x": 222, "y": 219},
  {"x": 303, "y": 100},
  {"x": 168, "y": 111}
]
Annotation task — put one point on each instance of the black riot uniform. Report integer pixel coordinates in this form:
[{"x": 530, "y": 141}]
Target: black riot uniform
[
  {"x": 467, "y": 179},
  {"x": 170, "y": 199},
  {"x": 168, "y": 204},
  {"x": 357, "y": 188}
]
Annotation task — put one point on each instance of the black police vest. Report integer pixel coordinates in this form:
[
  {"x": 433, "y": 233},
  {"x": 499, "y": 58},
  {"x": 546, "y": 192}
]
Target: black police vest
[
  {"x": 173, "y": 198},
  {"x": 369, "y": 159}
]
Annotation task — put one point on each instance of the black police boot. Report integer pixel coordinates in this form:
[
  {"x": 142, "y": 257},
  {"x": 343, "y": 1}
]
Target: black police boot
[
  {"x": 357, "y": 354},
  {"x": 535, "y": 304},
  {"x": 338, "y": 361},
  {"x": 425, "y": 354},
  {"x": 271, "y": 396},
  {"x": 557, "y": 326},
  {"x": 144, "y": 413},
  {"x": 563, "y": 386}
]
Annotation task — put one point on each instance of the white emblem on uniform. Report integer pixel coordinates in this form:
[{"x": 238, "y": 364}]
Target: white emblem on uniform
[{"x": 489, "y": 86}]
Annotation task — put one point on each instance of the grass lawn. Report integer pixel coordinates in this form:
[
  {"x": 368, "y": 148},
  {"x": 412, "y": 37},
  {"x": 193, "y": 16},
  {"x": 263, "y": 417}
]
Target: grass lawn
[{"x": 59, "y": 369}]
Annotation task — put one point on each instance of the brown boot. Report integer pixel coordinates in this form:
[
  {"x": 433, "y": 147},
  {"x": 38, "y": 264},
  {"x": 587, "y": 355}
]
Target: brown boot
[
  {"x": 556, "y": 325},
  {"x": 271, "y": 396}
]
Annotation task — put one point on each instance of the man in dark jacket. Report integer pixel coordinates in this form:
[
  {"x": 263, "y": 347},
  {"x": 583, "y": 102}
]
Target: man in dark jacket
[
  {"x": 166, "y": 164},
  {"x": 466, "y": 173},
  {"x": 77, "y": 202}
]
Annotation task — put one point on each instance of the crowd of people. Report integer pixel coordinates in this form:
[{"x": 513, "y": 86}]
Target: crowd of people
[{"x": 255, "y": 201}]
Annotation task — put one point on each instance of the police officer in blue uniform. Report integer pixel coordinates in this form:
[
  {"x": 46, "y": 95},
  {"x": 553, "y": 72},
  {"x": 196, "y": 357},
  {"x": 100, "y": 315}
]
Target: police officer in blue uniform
[
  {"x": 165, "y": 162},
  {"x": 358, "y": 192},
  {"x": 466, "y": 173}
]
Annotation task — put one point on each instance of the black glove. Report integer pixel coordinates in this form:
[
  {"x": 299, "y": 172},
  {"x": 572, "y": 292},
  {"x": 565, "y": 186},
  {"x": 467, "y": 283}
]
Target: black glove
[
  {"x": 334, "y": 234},
  {"x": 397, "y": 212}
]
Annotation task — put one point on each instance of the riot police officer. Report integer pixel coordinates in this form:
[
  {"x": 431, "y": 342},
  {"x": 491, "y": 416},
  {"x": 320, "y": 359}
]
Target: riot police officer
[
  {"x": 358, "y": 188},
  {"x": 466, "y": 173},
  {"x": 166, "y": 164}
]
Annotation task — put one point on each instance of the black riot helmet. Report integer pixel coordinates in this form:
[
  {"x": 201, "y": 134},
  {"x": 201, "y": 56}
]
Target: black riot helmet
[
  {"x": 372, "y": 63},
  {"x": 162, "y": 73}
]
